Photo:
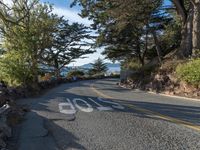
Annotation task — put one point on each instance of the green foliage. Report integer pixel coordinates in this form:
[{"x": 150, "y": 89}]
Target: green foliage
[
  {"x": 68, "y": 44},
  {"x": 76, "y": 73},
  {"x": 25, "y": 41},
  {"x": 132, "y": 64},
  {"x": 189, "y": 71},
  {"x": 14, "y": 69},
  {"x": 112, "y": 75},
  {"x": 122, "y": 33},
  {"x": 98, "y": 67},
  {"x": 98, "y": 76},
  {"x": 32, "y": 35}
]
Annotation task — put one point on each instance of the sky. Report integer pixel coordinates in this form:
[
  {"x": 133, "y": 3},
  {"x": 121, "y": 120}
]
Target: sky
[{"x": 62, "y": 8}]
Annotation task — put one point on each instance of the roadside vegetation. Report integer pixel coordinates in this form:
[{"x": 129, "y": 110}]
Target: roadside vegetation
[
  {"x": 75, "y": 73},
  {"x": 189, "y": 71},
  {"x": 156, "y": 41},
  {"x": 98, "y": 68},
  {"x": 33, "y": 37}
]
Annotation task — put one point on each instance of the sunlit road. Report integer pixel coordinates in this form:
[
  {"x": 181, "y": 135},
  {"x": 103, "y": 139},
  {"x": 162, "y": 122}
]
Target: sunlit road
[{"x": 99, "y": 115}]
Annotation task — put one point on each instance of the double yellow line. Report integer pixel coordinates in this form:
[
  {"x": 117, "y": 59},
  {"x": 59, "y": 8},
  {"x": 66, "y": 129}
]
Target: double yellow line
[{"x": 155, "y": 114}]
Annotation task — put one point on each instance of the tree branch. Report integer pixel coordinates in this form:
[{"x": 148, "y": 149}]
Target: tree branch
[{"x": 179, "y": 4}]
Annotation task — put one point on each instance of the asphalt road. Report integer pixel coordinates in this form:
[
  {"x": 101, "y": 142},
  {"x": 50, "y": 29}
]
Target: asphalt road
[{"x": 99, "y": 115}]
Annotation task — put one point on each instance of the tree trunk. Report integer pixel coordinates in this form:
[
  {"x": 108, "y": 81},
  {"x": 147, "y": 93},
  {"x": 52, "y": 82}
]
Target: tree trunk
[
  {"x": 185, "y": 49},
  {"x": 57, "y": 73},
  {"x": 34, "y": 69},
  {"x": 186, "y": 39},
  {"x": 158, "y": 49},
  {"x": 139, "y": 55},
  {"x": 196, "y": 27},
  {"x": 141, "y": 59},
  {"x": 57, "y": 69}
]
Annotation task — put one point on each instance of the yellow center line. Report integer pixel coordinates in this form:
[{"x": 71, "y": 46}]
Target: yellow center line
[{"x": 155, "y": 114}]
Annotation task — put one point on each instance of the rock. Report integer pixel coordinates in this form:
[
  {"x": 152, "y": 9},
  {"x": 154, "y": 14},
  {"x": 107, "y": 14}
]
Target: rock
[
  {"x": 196, "y": 93},
  {"x": 167, "y": 92},
  {"x": 157, "y": 77},
  {"x": 149, "y": 87},
  {"x": 171, "y": 93},
  {"x": 177, "y": 90},
  {"x": 166, "y": 79},
  {"x": 157, "y": 85},
  {"x": 172, "y": 78}
]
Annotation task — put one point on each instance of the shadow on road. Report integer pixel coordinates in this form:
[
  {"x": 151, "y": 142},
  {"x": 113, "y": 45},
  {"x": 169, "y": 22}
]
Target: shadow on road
[
  {"x": 63, "y": 138},
  {"x": 48, "y": 103},
  {"x": 187, "y": 113}
]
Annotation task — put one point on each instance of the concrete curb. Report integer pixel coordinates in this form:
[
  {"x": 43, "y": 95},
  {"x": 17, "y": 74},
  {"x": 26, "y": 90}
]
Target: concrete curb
[{"x": 166, "y": 95}]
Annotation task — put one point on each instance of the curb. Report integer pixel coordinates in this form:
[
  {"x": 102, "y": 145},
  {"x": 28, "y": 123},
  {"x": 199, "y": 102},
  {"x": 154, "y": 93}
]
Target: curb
[{"x": 166, "y": 95}]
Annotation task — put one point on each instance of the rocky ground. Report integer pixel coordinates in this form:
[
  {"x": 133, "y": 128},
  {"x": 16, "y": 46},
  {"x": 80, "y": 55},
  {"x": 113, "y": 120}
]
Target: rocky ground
[{"x": 10, "y": 115}]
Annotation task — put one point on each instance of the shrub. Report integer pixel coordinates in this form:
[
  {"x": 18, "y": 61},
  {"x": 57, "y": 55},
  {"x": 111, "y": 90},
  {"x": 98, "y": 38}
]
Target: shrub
[
  {"x": 14, "y": 69},
  {"x": 112, "y": 75},
  {"x": 132, "y": 64},
  {"x": 147, "y": 70},
  {"x": 76, "y": 73},
  {"x": 189, "y": 71},
  {"x": 98, "y": 76}
]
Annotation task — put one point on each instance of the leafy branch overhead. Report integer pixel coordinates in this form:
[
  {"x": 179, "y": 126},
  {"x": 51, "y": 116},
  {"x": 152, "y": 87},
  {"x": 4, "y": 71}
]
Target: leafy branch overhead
[
  {"x": 144, "y": 29},
  {"x": 69, "y": 43},
  {"x": 32, "y": 35}
]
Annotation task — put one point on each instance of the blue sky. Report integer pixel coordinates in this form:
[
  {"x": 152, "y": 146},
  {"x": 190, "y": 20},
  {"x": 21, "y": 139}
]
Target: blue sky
[{"x": 62, "y": 8}]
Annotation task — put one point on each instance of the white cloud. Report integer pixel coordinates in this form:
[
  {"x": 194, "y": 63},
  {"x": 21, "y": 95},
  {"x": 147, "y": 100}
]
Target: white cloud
[
  {"x": 71, "y": 15},
  {"x": 8, "y": 2}
]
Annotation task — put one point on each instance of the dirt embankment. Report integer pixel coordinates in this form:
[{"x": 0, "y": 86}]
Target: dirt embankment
[{"x": 162, "y": 80}]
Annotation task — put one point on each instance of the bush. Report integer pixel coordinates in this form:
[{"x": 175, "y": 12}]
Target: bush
[
  {"x": 132, "y": 64},
  {"x": 14, "y": 69},
  {"x": 112, "y": 75},
  {"x": 98, "y": 76},
  {"x": 189, "y": 72},
  {"x": 76, "y": 73}
]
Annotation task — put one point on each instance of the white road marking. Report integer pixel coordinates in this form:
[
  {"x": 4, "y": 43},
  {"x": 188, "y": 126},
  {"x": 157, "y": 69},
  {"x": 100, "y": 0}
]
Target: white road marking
[
  {"x": 67, "y": 108},
  {"x": 114, "y": 105},
  {"x": 101, "y": 108},
  {"x": 84, "y": 109}
]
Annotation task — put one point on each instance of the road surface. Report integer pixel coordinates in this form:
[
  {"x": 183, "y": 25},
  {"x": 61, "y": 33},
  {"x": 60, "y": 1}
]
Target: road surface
[{"x": 99, "y": 115}]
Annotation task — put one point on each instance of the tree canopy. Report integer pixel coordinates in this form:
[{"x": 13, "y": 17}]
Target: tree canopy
[
  {"x": 128, "y": 30},
  {"x": 32, "y": 35},
  {"x": 142, "y": 29},
  {"x": 98, "y": 67}
]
